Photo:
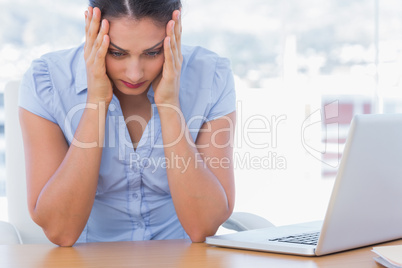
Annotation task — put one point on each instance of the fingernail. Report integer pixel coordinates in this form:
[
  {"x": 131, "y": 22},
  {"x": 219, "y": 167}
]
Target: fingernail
[
  {"x": 178, "y": 15},
  {"x": 173, "y": 25}
]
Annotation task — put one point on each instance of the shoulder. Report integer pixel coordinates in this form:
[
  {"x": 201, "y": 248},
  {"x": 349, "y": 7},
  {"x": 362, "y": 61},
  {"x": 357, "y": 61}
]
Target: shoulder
[
  {"x": 193, "y": 54},
  {"x": 63, "y": 65},
  {"x": 51, "y": 78},
  {"x": 201, "y": 66},
  {"x": 64, "y": 56},
  {"x": 62, "y": 71},
  {"x": 206, "y": 85}
]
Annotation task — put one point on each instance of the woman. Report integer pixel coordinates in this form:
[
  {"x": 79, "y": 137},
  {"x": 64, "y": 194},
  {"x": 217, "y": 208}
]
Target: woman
[{"x": 129, "y": 136}]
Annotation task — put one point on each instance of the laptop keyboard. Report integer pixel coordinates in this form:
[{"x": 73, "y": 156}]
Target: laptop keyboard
[{"x": 306, "y": 239}]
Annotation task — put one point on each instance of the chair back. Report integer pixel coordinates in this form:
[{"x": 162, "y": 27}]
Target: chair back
[
  {"x": 9, "y": 234},
  {"x": 18, "y": 214}
]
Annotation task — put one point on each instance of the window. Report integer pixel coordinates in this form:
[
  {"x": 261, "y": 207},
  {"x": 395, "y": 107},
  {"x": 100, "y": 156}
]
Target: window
[{"x": 32, "y": 29}]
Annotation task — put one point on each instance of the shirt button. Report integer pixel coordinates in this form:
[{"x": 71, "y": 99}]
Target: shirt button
[
  {"x": 137, "y": 225},
  {"x": 112, "y": 107},
  {"x": 135, "y": 195}
]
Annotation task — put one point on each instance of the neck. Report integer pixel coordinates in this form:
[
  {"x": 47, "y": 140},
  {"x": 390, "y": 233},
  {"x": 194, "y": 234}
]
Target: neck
[{"x": 132, "y": 100}]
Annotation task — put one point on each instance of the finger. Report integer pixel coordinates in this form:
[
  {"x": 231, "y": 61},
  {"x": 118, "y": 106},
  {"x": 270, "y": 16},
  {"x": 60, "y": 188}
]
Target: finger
[
  {"x": 170, "y": 32},
  {"x": 89, "y": 13},
  {"x": 172, "y": 35},
  {"x": 101, "y": 55},
  {"x": 98, "y": 43},
  {"x": 94, "y": 26},
  {"x": 174, "y": 47},
  {"x": 88, "y": 17},
  {"x": 181, "y": 25},
  {"x": 176, "y": 18},
  {"x": 178, "y": 29},
  {"x": 88, "y": 44},
  {"x": 86, "y": 21},
  {"x": 169, "y": 61},
  {"x": 104, "y": 29}
]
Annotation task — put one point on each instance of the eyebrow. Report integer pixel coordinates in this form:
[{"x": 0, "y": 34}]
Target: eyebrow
[
  {"x": 119, "y": 48},
  {"x": 148, "y": 49},
  {"x": 154, "y": 45}
]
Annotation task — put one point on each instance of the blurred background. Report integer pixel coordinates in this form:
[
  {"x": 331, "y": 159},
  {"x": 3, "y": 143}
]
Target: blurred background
[{"x": 302, "y": 70}]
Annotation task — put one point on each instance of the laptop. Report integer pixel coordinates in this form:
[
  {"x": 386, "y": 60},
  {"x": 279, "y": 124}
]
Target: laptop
[{"x": 365, "y": 204}]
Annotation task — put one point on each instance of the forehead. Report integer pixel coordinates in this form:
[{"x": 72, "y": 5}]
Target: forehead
[{"x": 135, "y": 35}]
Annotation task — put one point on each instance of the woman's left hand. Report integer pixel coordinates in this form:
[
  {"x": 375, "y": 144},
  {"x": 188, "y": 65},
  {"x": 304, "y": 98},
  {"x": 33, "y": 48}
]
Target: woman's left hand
[{"x": 167, "y": 85}]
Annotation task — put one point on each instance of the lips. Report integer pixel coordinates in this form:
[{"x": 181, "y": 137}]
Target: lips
[{"x": 127, "y": 84}]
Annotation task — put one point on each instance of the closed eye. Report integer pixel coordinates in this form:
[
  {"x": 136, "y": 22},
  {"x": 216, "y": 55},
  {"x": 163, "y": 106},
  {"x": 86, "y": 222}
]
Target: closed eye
[
  {"x": 153, "y": 54},
  {"x": 116, "y": 54}
]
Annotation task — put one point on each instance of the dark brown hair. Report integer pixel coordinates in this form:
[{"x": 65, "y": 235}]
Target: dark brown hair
[{"x": 160, "y": 11}]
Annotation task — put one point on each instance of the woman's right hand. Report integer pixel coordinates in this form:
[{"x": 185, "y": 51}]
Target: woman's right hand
[{"x": 100, "y": 87}]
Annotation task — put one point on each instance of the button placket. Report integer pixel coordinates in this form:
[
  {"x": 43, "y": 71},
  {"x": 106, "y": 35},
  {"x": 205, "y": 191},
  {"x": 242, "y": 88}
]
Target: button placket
[{"x": 137, "y": 225}]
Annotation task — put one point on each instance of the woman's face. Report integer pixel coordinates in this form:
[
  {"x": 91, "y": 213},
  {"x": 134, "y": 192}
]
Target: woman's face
[{"x": 135, "y": 57}]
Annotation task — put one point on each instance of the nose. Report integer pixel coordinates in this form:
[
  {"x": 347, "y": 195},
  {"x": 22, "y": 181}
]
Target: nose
[{"x": 134, "y": 71}]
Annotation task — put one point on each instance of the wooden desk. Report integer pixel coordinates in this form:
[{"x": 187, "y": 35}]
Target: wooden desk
[{"x": 169, "y": 253}]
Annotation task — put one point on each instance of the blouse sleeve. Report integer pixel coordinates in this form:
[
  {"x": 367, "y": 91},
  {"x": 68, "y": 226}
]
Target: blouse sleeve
[
  {"x": 223, "y": 91},
  {"x": 36, "y": 91}
]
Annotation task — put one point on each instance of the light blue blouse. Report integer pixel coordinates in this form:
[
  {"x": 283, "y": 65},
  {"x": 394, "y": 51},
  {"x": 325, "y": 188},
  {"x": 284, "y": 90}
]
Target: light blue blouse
[{"x": 133, "y": 200}]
